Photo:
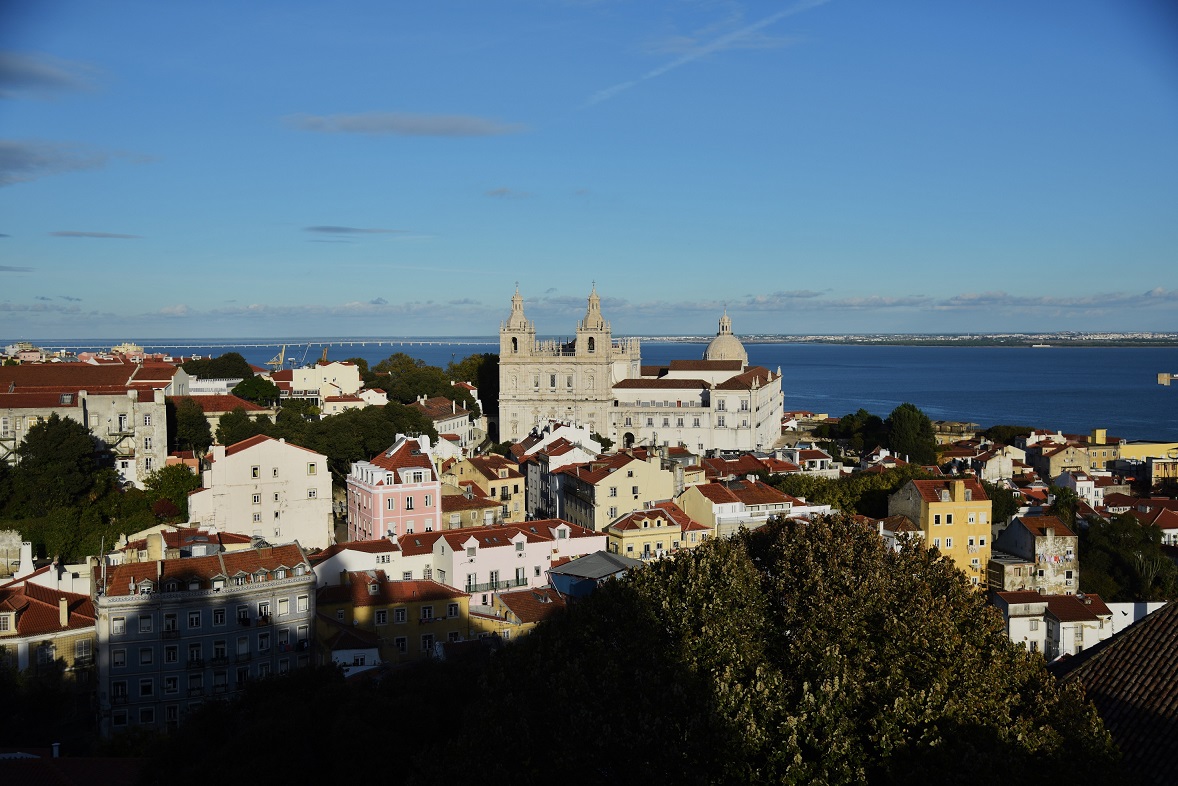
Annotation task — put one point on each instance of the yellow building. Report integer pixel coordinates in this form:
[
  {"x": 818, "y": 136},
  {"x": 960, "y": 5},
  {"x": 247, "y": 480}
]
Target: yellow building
[
  {"x": 498, "y": 478},
  {"x": 954, "y": 516},
  {"x": 408, "y": 617},
  {"x": 515, "y": 614},
  {"x": 655, "y": 532},
  {"x": 45, "y": 629},
  {"x": 596, "y": 494}
]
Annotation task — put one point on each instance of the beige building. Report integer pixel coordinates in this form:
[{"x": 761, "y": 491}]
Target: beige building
[
  {"x": 1036, "y": 553},
  {"x": 554, "y": 380},
  {"x": 954, "y": 517},
  {"x": 266, "y": 487},
  {"x": 593, "y": 495},
  {"x": 495, "y": 477}
]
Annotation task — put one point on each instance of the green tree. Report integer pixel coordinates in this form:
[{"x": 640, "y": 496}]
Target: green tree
[
  {"x": 189, "y": 426},
  {"x": 58, "y": 467},
  {"x": 230, "y": 365},
  {"x": 406, "y": 378},
  {"x": 1004, "y": 502},
  {"x": 1064, "y": 505},
  {"x": 1122, "y": 560},
  {"x": 482, "y": 371},
  {"x": 910, "y": 435},
  {"x": 233, "y": 427},
  {"x": 260, "y": 391},
  {"x": 172, "y": 483},
  {"x": 1005, "y": 435}
]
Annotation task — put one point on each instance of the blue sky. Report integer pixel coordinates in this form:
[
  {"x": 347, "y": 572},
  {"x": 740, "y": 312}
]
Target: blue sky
[{"x": 392, "y": 168}]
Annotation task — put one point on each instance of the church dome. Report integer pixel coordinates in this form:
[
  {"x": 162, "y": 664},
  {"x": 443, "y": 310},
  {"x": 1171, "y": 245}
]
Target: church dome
[{"x": 726, "y": 346}]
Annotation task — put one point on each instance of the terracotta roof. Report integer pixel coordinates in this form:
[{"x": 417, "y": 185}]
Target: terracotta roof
[
  {"x": 1132, "y": 678},
  {"x": 212, "y": 405},
  {"x": 489, "y": 466},
  {"x": 677, "y": 513},
  {"x": 379, "y": 546},
  {"x": 440, "y": 408},
  {"x": 533, "y": 605},
  {"x": 717, "y": 493},
  {"x": 359, "y": 591},
  {"x": 754, "y": 377},
  {"x": 37, "y": 400},
  {"x": 661, "y": 384},
  {"x": 644, "y": 519},
  {"x": 453, "y": 503},
  {"x": 1037, "y": 526},
  {"x": 38, "y": 610},
  {"x": 930, "y": 490},
  {"x": 120, "y": 579},
  {"x": 407, "y": 453},
  {"x": 1073, "y": 608},
  {"x": 69, "y": 376},
  {"x": 706, "y": 365},
  {"x": 758, "y": 493}
]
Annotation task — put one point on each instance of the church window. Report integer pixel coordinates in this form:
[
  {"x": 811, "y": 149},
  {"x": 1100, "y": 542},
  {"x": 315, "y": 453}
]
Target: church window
[
  {"x": 568, "y": 381},
  {"x": 514, "y": 344},
  {"x": 551, "y": 380},
  {"x": 592, "y": 344}
]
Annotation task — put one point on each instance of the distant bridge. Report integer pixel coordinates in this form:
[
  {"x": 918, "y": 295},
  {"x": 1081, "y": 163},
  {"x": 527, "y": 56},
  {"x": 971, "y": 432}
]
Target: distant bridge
[{"x": 184, "y": 344}]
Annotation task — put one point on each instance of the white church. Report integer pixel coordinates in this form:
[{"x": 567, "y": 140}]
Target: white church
[{"x": 719, "y": 402}]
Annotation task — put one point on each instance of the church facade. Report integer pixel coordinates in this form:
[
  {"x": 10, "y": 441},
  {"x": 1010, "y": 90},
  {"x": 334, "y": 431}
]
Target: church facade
[{"x": 717, "y": 403}]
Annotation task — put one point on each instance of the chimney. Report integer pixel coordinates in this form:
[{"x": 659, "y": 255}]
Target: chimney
[
  {"x": 959, "y": 491},
  {"x": 453, "y": 407},
  {"x": 26, "y": 560},
  {"x": 63, "y": 612}
]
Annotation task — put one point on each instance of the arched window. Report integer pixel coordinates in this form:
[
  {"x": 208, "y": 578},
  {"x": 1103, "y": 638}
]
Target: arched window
[
  {"x": 592, "y": 343},
  {"x": 514, "y": 345}
]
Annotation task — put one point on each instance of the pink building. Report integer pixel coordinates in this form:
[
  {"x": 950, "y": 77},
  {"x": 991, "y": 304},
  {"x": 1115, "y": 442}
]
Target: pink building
[{"x": 396, "y": 493}]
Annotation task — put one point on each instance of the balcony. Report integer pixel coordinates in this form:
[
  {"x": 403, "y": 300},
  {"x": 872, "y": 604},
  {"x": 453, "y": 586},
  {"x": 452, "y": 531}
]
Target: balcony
[
  {"x": 196, "y": 692},
  {"x": 497, "y": 585},
  {"x": 196, "y": 663},
  {"x": 221, "y": 660},
  {"x": 171, "y": 633},
  {"x": 118, "y": 698},
  {"x": 263, "y": 620},
  {"x": 243, "y": 657}
]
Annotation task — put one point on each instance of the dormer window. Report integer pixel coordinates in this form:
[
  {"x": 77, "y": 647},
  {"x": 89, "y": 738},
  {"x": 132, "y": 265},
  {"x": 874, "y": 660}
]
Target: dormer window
[
  {"x": 968, "y": 495},
  {"x": 373, "y": 588},
  {"x": 944, "y": 495},
  {"x": 519, "y": 546},
  {"x": 472, "y": 551}
]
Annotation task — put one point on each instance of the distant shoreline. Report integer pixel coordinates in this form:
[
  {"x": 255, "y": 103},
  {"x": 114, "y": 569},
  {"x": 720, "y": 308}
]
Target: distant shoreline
[{"x": 1028, "y": 340}]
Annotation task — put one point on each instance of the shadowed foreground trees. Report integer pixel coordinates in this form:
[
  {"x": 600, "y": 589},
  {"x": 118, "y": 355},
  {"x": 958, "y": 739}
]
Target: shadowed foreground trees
[{"x": 800, "y": 653}]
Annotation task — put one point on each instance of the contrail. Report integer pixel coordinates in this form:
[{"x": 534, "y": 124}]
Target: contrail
[{"x": 707, "y": 49}]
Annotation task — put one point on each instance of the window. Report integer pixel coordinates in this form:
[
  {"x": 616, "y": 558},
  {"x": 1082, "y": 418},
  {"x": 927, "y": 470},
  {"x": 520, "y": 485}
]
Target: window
[
  {"x": 171, "y": 685},
  {"x": 283, "y": 606},
  {"x": 276, "y": 496},
  {"x": 429, "y": 500},
  {"x": 936, "y": 518},
  {"x": 948, "y": 518},
  {"x": 145, "y": 623},
  {"x": 312, "y": 469},
  {"x": 408, "y": 503},
  {"x": 981, "y": 541},
  {"x": 171, "y": 654},
  {"x": 948, "y": 543},
  {"x": 402, "y": 644},
  {"x": 118, "y": 626},
  {"x": 303, "y": 602},
  {"x": 382, "y": 617},
  {"x": 147, "y": 420},
  {"x": 146, "y": 716},
  {"x": 257, "y": 499},
  {"x": 391, "y": 504},
  {"x": 613, "y": 491},
  {"x": 936, "y": 543},
  {"x": 195, "y": 654},
  {"x": 257, "y": 517},
  {"x": 339, "y": 613},
  {"x": 218, "y": 616},
  {"x": 255, "y": 472},
  {"x": 427, "y": 642},
  {"x": 312, "y": 493},
  {"x": 452, "y": 609},
  {"x": 118, "y": 658},
  {"x": 147, "y": 443},
  {"x": 147, "y": 687},
  {"x": 145, "y": 656},
  {"x": 613, "y": 512},
  {"x": 973, "y": 518},
  {"x": 427, "y": 613},
  {"x": 83, "y": 650},
  {"x": 399, "y": 615},
  {"x": 720, "y": 421}
]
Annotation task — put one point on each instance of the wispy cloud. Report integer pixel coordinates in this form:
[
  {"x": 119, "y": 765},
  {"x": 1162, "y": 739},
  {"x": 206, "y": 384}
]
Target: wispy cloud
[
  {"x": 21, "y": 162},
  {"x": 743, "y": 37},
  {"x": 40, "y": 75},
  {"x": 338, "y": 230},
  {"x": 378, "y": 301},
  {"x": 71, "y": 299},
  {"x": 178, "y": 310},
  {"x": 506, "y": 193},
  {"x": 99, "y": 235},
  {"x": 39, "y": 308},
  {"x": 402, "y": 124},
  {"x": 42, "y": 297},
  {"x": 15, "y": 269}
]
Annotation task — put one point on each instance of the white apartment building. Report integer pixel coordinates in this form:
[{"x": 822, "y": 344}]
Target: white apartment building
[{"x": 266, "y": 487}]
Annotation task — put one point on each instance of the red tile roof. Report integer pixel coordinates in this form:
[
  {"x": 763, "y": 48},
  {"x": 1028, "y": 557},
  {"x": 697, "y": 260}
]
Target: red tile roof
[
  {"x": 661, "y": 384},
  {"x": 408, "y": 454},
  {"x": 1037, "y": 526},
  {"x": 220, "y": 404},
  {"x": 374, "y": 588},
  {"x": 38, "y": 610},
  {"x": 440, "y": 408},
  {"x": 533, "y": 605},
  {"x": 1074, "y": 608},
  {"x": 754, "y": 377},
  {"x": 930, "y": 490}
]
